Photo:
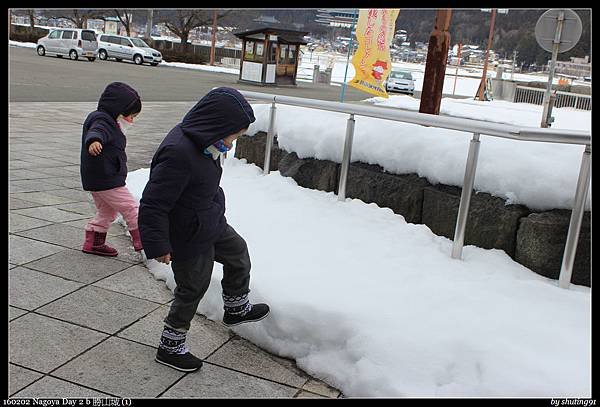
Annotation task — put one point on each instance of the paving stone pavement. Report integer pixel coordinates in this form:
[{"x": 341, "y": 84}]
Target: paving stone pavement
[{"x": 88, "y": 326}]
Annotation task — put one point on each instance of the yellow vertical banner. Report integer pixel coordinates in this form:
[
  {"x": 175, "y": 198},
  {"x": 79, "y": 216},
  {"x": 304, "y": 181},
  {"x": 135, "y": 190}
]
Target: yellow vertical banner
[{"x": 372, "y": 62}]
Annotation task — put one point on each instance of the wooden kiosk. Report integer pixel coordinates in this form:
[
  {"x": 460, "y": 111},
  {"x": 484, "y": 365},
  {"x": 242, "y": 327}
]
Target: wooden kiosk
[{"x": 270, "y": 56}]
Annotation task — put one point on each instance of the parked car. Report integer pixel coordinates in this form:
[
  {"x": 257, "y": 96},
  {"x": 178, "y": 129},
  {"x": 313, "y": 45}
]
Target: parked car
[
  {"x": 74, "y": 42},
  {"x": 401, "y": 81},
  {"x": 131, "y": 49}
]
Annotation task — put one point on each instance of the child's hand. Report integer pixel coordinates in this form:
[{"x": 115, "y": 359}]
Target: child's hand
[
  {"x": 164, "y": 259},
  {"x": 95, "y": 148}
]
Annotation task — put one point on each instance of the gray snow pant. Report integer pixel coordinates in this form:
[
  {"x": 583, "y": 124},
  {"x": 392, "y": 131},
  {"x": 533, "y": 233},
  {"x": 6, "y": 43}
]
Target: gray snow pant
[{"x": 193, "y": 277}]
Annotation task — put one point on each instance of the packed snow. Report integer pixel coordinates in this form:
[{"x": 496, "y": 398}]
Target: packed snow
[{"x": 376, "y": 307}]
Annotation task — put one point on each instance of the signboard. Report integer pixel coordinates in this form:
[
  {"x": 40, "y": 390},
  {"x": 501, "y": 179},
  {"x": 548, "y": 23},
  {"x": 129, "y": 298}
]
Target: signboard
[
  {"x": 557, "y": 30},
  {"x": 372, "y": 63},
  {"x": 546, "y": 30},
  {"x": 252, "y": 71}
]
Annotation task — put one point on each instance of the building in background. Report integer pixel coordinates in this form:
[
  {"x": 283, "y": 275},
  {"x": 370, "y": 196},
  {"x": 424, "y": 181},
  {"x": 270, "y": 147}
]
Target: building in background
[
  {"x": 578, "y": 67},
  {"x": 270, "y": 55},
  {"x": 111, "y": 25}
]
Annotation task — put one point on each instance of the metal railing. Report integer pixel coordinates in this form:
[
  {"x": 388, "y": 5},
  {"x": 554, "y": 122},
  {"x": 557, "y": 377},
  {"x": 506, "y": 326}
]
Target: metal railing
[
  {"x": 526, "y": 94},
  {"x": 477, "y": 127}
]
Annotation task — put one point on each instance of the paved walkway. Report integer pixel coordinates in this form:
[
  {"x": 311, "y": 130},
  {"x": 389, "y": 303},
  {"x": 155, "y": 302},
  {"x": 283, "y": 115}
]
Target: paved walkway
[{"x": 88, "y": 326}]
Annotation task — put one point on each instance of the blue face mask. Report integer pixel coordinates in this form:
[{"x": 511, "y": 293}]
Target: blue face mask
[
  {"x": 220, "y": 145},
  {"x": 216, "y": 149}
]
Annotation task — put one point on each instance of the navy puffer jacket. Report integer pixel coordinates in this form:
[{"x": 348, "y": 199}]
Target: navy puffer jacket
[
  {"x": 182, "y": 210},
  {"x": 108, "y": 169}
]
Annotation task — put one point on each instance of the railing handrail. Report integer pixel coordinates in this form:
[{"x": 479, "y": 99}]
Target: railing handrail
[
  {"x": 477, "y": 127},
  {"x": 509, "y": 131},
  {"x": 560, "y": 92}
]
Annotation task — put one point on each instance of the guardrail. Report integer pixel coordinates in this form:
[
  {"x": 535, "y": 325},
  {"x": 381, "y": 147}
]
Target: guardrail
[
  {"x": 477, "y": 127},
  {"x": 526, "y": 94}
]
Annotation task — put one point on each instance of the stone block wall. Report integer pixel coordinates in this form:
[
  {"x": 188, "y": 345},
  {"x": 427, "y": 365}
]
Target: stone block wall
[
  {"x": 491, "y": 224},
  {"x": 535, "y": 240},
  {"x": 541, "y": 242}
]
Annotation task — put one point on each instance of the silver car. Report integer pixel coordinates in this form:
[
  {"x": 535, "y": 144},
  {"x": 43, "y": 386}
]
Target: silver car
[
  {"x": 400, "y": 81},
  {"x": 131, "y": 49},
  {"x": 74, "y": 42}
]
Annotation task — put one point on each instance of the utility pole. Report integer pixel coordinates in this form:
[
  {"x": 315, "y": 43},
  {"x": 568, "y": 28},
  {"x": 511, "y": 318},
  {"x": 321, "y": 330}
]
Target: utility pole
[
  {"x": 352, "y": 34},
  {"x": 214, "y": 38},
  {"x": 149, "y": 24},
  {"x": 435, "y": 67},
  {"x": 512, "y": 73},
  {"x": 482, "y": 84}
]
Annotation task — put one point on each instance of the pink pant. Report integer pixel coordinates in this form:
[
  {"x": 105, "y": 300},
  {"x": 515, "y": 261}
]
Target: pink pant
[{"x": 109, "y": 204}]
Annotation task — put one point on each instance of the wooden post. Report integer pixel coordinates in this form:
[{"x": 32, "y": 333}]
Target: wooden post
[
  {"x": 296, "y": 66},
  {"x": 242, "y": 57},
  {"x": 435, "y": 67},
  {"x": 265, "y": 57},
  {"x": 214, "y": 38},
  {"x": 482, "y": 84}
]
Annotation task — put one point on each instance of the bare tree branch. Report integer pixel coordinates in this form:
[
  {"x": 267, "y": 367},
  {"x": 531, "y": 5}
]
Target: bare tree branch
[
  {"x": 184, "y": 21},
  {"x": 31, "y": 13},
  {"x": 127, "y": 21}
]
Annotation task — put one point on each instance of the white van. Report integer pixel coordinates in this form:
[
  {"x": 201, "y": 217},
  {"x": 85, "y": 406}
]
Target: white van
[
  {"x": 74, "y": 42},
  {"x": 132, "y": 49}
]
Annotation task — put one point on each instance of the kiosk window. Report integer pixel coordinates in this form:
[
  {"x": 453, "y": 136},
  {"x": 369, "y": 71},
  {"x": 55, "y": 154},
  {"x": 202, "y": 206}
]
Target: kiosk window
[
  {"x": 272, "y": 56},
  {"x": 249, "y": 50},
  {"x": 282, "y": 53},
  {"x": 292, "y": 55},
  {"x": 259, "y": 49}
]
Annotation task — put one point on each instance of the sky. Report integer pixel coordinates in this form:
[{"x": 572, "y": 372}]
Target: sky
[{"x": 376, "y": 306}]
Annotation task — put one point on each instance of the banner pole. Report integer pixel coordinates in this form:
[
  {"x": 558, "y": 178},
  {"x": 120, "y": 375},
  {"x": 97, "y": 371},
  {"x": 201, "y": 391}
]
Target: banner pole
[{"x": 348, "y": 57}]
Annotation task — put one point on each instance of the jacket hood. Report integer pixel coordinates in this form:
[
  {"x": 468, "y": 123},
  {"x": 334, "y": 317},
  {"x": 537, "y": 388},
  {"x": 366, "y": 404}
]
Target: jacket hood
[
  {"x": 116, "y": 98},
  {"x": 220, "y": 113}
]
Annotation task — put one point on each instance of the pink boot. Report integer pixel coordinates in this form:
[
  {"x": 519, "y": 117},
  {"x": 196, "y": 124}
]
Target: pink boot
[
  {"x": 137, "y": 240},
  {"x": 94, "y": 244}
]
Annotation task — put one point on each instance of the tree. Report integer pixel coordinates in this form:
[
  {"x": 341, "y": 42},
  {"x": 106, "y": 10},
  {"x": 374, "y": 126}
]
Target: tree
[
  {"x": 78, "y": 17},
  {"x": 127, "y": 20},
  {"x": 183, "y": 21},
  {"x": 31, "y": 14}
]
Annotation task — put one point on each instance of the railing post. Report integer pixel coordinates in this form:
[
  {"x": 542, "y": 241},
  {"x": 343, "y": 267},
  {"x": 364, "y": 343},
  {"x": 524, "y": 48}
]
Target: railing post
[
  {"x": 583, "y": 182},
  {"x": 270, "y": 136},
  {"x": 346, "y": 158},
  {"x": 465, "y": 197}
]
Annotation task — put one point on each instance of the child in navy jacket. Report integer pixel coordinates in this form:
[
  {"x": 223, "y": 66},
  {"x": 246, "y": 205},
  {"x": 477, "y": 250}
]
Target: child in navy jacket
[
  {"x": 182, "y": 219},
  {"x": 104, "y": 166}
]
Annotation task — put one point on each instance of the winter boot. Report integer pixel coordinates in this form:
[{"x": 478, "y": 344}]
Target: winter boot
[
  {"x": 136, "y": 239},
  {"x": 173, "y": 352},
  {"x": 94, "y": 244},
  {"x": 239, "y": 310}
]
